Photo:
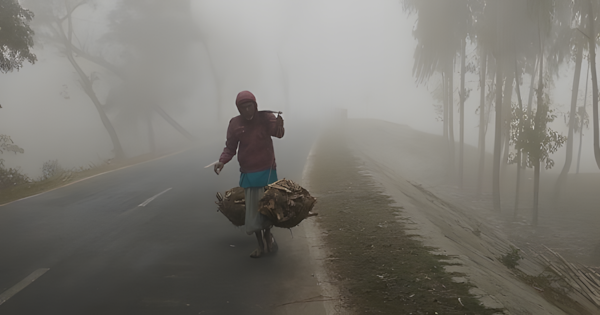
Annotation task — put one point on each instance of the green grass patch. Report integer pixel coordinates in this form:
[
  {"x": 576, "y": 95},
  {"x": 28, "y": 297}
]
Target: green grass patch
[{"x": 511, "y": 259}]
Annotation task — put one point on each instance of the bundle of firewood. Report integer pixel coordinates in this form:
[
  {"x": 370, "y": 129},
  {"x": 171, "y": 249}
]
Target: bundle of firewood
[
  {"x": 285, "y": 203},
  {"x": 233, "y": 205}
]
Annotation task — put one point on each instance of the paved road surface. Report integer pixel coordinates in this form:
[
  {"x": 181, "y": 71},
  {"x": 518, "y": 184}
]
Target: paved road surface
[{"x": 94, "y": 250}]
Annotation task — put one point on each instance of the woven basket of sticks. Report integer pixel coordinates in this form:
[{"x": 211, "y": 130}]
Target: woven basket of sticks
[
  {"x": 233, "y": 205},
  {"x": 285, "y": 203}
]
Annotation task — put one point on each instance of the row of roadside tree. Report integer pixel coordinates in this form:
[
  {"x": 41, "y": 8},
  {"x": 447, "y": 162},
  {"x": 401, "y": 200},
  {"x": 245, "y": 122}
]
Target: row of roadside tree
[{"x": 513, "y": 40}]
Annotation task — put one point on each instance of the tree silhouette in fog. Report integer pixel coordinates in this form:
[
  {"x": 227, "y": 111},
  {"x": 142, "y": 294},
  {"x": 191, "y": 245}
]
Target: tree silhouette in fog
[
  {"x": 441, "y": 32},
  {"x": 576, "y": 32},
  {"x": 151, "y": 41},
  {"x": 110, "y": 52},
  {"x": 55, "y": 23}
]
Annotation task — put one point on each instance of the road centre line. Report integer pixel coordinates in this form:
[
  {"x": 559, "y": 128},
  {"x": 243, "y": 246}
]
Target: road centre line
[
  {"x": 22, "y": 284},
  {"x": 145, "y": 203}
]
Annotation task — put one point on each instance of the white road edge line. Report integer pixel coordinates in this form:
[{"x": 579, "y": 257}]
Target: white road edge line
[
  {"x": 86, "y": 178},
  {"x": 145, "y": 203},
  {"x": 22, "y": 284}
]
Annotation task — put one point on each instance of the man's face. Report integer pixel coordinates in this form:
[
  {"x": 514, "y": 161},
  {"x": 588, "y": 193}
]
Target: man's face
[{"x": 247, "y": 110}]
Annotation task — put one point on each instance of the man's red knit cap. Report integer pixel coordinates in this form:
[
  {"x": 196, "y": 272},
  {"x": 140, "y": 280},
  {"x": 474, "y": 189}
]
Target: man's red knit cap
[{"x": 245, "y": 97}]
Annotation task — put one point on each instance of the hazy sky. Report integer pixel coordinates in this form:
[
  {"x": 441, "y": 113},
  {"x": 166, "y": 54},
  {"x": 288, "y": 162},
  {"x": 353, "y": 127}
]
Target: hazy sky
[{"x": 348, "y": 54}]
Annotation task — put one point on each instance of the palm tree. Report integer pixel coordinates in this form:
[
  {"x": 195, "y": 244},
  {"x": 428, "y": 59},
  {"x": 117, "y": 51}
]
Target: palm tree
[
  {"x": 592, "y": 48},
  {"x": 441, "y": 28},
  {"x": 576, "y": 42},
  {"x": 518, "y": 130}
]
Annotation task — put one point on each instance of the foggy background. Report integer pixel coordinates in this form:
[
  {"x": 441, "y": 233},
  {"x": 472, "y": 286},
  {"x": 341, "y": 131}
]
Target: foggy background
[{"x": 192, "y": 58}]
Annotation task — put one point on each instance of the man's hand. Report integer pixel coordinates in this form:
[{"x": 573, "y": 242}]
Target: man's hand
[
  {"x": 279, "y": 127},
  {"x": 218, "y": 167}
]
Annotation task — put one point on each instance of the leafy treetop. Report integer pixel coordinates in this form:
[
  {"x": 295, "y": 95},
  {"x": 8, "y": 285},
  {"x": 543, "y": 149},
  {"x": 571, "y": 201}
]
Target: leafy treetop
[{"x": 16, "y": 37}]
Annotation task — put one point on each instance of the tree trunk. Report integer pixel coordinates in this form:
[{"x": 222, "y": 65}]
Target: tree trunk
[
  {"x": 533, "y": 74},
  {"x": 286, "y": 92},
  {"x": 536, "y": 190},
  {"x": 220, "y": 104},
  {"x": 498, "y": 125},
  {"x": 520, "y": 102},
  {"x": 582, "y": 117},
  {"x": 532, "y": 87},
  {"x": 445, "y": 104},
  {"x": 580, "y": 140},
  {"x": 497, "y": 136},
  {"x": 562, "y": 178},
  {"x": 86, "y": 83},
  {"x": 506, "y": 113},
  {"x": 173, "y": 123},
  {"x": 218, "y": 91},
  {"x": 482, "y": 122},
  {"x": 151, "y": 137},
  {"x": 517, "y": 186},
  {"x": 539, "y": 127},
  {"x": 592, "y": 48},
  {"x": 462, "y": 112},
  {"x": 89, "y": 90},
  {"x": 451, "y": 143}
]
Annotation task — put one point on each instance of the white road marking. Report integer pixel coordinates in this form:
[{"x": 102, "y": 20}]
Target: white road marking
[
  {"x": 22, "y": 284},
  {"x": 145, "y": 203},
  {"x": 86, "y": 178}
]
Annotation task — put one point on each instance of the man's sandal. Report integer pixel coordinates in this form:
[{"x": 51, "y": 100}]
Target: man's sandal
[{"x": 256, "y": 253}]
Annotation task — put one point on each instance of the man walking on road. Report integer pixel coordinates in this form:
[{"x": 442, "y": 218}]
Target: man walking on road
[{"x": 252, "y": 131}]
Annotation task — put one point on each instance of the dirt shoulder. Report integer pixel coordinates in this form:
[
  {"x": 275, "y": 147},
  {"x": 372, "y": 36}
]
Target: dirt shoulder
[
  {"x": 396, "y": 247},
  {"x": 374, "y": 260}
]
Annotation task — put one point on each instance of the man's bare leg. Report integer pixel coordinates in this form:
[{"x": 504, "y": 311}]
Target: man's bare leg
[
  {"x": 271, "y": 244},
  {"x": 261, "y": 245}
]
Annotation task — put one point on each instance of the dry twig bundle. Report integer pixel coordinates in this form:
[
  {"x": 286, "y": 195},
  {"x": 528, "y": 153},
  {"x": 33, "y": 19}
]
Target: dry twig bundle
[
  {"x": 286, "y": 203},
  {"x": 233, "y": 205}
]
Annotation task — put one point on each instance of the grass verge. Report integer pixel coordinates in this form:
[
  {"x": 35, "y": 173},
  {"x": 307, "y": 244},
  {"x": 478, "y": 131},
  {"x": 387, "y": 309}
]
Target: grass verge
[{"x": 377, "y": 265}]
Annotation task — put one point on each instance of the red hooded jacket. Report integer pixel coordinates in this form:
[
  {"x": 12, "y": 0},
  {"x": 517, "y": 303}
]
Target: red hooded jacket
[{"x": 251, "y": 139}]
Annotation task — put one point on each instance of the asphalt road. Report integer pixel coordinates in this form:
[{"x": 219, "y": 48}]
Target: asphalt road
[{"x": 92, "y": 249}]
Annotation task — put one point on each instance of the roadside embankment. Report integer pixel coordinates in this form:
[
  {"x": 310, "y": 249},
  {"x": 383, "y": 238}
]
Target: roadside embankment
[
  {"x": 399, "y": 240},
  {"x": 372, "y": 255}
]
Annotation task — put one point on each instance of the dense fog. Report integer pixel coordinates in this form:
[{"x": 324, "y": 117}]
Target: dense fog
[
  {"x": 191, "y": 58},
  {"x": 451, "y": 121}
]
